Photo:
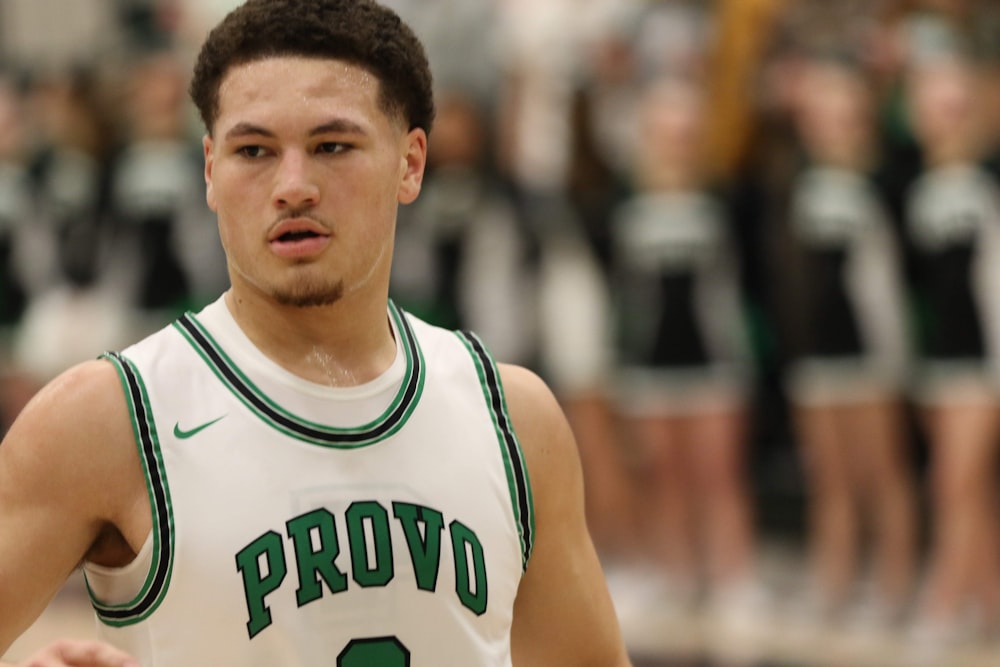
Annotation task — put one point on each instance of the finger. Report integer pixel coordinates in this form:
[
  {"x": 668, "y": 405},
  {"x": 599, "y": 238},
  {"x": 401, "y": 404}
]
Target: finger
[{"x": 89, "y": 653}]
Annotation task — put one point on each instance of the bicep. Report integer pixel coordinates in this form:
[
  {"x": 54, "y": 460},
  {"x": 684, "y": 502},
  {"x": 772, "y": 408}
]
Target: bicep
[
  {"x": 52, "y": 496},
  {"x": 39, "y": 548},
  {"x": 563, "y": 613}
]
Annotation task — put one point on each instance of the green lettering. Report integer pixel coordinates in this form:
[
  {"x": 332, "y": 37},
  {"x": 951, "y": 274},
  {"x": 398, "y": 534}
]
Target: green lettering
[
  {"x": 425, "y": 550},
  {"x": 470, "y": 582},
  {"x": 256, "y": 585},
  {"x": 315, "y": 563},
  {"x": 365, "y": 572}
]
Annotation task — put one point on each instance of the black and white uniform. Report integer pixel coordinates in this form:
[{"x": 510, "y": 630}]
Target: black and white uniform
[
  {"x": 680, "y": 334},
  {"x": 953, "y": 222},
  {"x": 850, "y": 315}
]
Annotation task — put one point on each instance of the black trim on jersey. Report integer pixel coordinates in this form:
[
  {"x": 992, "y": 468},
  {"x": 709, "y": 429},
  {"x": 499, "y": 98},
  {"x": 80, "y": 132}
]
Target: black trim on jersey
[
  {"x": 299, "y": 427},
  {"x": 509, "y": 441},
  {"x": 147, "y": 441}
]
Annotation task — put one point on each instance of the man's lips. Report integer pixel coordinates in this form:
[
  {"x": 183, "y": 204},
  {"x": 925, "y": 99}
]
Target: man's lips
[
  {"x": 295, "y": 229},
  {"x": 298, "y": 238}
]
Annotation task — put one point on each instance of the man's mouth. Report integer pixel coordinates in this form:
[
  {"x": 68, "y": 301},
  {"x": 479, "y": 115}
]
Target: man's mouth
[
  {"x": 299, "y": 238},
  {"x": 299, "y": 235}
]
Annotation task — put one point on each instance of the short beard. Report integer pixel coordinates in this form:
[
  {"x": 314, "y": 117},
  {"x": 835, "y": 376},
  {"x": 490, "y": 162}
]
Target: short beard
[{"x": 308, "y": 297}]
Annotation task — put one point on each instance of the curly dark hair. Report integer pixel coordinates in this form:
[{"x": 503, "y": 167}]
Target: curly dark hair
[{"x": 360, "y": 32}]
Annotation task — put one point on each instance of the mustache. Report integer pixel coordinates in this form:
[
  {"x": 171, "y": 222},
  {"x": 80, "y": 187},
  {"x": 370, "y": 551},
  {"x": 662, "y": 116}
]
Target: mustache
[{"x": 303, "y": 213}]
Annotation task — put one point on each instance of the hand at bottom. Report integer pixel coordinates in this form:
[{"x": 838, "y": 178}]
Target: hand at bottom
[{"x": 80, "y": 653}]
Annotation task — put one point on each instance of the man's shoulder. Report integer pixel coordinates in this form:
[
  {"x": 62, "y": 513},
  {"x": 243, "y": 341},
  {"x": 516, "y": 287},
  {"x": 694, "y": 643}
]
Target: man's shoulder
[
  {"x": 78, "y": 412},
  {"x": 535, "y": 412},
  {"x": 86, "y": 382},
  {"x": 71, "y": 443},
  {"x": 522, "y": 380}
]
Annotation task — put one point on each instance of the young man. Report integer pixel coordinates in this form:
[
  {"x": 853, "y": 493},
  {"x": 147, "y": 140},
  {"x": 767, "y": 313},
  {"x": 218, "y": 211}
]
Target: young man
[{"x": 300, "y": 474}]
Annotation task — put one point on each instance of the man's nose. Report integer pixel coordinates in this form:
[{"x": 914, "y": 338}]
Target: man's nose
[{"x": 295, "y": 185}]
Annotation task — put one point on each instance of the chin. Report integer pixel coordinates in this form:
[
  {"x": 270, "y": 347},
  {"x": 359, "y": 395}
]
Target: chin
[{"x": 310, "y": 298}]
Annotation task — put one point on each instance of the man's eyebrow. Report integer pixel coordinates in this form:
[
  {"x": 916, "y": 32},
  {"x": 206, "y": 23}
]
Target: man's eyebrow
[
  {"x": 247, "y": 129},
  {"x": 339, "y": 125}
]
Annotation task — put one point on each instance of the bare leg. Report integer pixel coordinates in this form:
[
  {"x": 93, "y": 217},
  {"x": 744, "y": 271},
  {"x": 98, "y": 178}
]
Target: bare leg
[
  {"x": 611, "y": 510},
  {"x": 666, "y": 520},
  {"x": 874, "y": 435},
  {"x": 832, "y": 515},
  {"x": 964, "y": 446},
  {"x": 716, "y": 445}
]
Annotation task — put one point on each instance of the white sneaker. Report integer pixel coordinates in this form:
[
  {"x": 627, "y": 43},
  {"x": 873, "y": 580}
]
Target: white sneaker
[
  {"x": 936, "y": 642},
  {"x": 639, "y": 593},
  {"x": 871, "y": 616},
  {"x": 655, "y": 612},
  {"x": 740, "y": 620},
  {"x": 808, "y": 620}
]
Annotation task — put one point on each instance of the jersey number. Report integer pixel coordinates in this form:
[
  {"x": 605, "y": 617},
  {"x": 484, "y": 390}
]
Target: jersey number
[{"x": 374, "y": 652}]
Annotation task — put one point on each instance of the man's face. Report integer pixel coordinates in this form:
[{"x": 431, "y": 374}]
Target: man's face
[{"x": 305, "y": 172}]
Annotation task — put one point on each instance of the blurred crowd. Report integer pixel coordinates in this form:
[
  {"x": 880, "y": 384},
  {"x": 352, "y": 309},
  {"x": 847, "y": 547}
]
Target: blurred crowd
[{"x": 729, "y": 233}]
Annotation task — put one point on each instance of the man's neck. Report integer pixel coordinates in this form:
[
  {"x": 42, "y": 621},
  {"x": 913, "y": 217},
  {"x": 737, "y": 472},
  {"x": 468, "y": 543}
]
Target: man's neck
[{"x": 336, "y": 345}]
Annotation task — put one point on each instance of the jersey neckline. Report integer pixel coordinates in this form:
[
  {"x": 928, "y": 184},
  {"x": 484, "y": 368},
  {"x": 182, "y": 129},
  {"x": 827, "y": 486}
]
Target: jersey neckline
[{"x": 272, "y": 413}]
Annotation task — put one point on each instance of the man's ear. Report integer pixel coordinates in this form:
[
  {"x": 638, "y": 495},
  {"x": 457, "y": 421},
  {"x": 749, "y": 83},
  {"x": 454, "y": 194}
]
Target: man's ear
[
  {"x": 413, "y": 162},
  {"x": 207, "y": 145}
]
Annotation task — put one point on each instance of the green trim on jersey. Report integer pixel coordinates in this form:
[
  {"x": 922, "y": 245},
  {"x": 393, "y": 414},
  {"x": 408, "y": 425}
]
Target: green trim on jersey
[
  {"x": 158, "y": 579},
  {"x": 510, "y": 447},
  {"x": 278, "y": 418}
]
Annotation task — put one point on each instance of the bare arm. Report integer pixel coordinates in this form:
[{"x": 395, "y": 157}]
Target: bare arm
[
  {"x": 563, "y": 614},
  {"x": 68, "y": 474}
]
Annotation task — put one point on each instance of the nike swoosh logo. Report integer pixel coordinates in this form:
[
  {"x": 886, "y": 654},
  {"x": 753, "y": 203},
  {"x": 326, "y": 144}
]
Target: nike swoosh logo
[{"x": 184, "y": 435}]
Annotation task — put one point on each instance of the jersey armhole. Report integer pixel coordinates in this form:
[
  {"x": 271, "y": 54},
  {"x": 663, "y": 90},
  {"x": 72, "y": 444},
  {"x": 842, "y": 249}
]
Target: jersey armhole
[
  {"x": 161, "y": 540},
  {"x": 510, "y": 447}
]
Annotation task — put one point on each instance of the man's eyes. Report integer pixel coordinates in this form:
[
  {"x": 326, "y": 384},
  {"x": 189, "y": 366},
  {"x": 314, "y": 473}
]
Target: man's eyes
[
  {"x": 325, "y": 148},
  {"x": 331, "y": 147},
  {"x": 250, "y": 151}
]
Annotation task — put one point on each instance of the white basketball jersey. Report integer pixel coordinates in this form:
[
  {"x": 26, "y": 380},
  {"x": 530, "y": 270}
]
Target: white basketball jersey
[{"x": 386, "y": 524}]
